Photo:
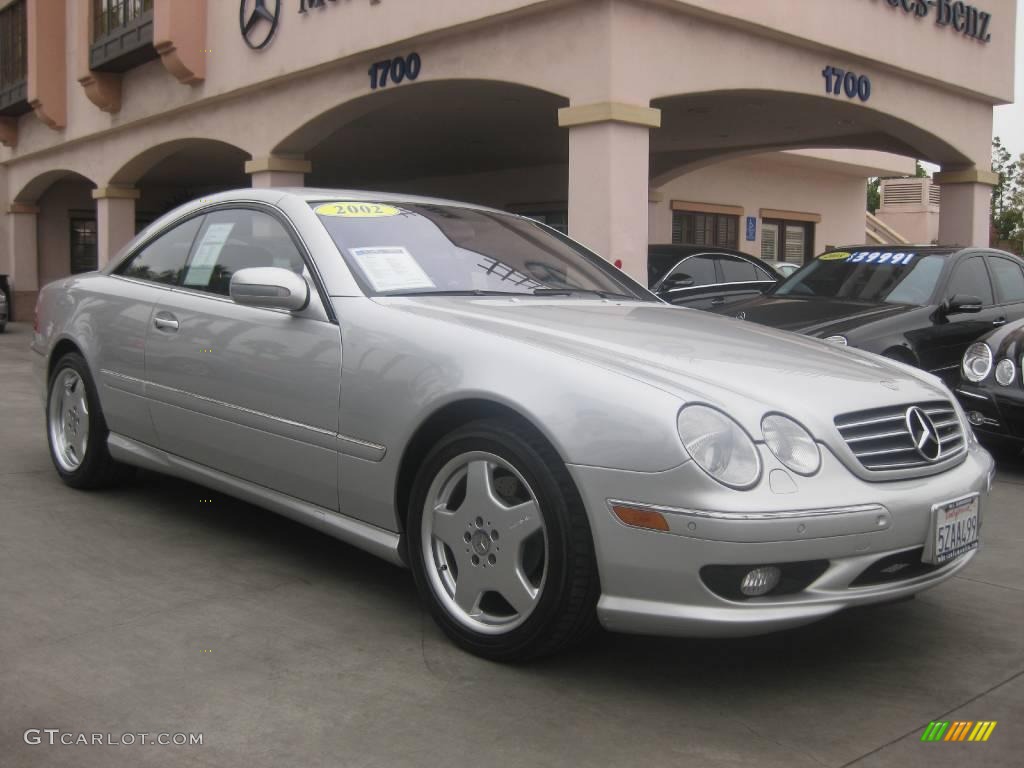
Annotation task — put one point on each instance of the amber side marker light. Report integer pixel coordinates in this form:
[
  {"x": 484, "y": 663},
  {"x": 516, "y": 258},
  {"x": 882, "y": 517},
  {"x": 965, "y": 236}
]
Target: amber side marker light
[{"x": 640, "y": 518}]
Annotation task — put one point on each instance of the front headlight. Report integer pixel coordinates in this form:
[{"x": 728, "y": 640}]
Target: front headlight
[
  {"x": 791, "y": 444},
  {"x": 977, "y": 362},
  {"x": 1005, "y": 372},
  {"x": 840, "y": 340},
  {"x": 719, "y": 446}
]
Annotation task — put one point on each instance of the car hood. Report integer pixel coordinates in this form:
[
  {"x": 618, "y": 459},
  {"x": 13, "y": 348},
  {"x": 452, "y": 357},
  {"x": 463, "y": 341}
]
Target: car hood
[
  {"x": 814, "y": 317},
  {"x": 698, "y": 356}
]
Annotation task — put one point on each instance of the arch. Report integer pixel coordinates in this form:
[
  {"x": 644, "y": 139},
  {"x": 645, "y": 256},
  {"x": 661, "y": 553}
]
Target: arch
[
  {"x": 459, "y": 103},
  {"x": 36, "y": 187},
  {"x": 702, "y": 128},
  {"x": 200, "y": 150}
]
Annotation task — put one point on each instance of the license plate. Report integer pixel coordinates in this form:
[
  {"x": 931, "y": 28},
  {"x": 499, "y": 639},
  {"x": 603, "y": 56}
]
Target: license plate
[{"x": 954, "y": 529}]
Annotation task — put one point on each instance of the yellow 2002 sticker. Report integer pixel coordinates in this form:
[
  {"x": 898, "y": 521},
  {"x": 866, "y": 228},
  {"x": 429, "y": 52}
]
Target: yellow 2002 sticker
[
  {"x": 357, "y": 210},
  {"x": 834, "y": 256}
]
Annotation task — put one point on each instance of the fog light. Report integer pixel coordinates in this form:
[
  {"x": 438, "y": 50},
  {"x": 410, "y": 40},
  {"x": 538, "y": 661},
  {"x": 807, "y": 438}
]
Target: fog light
[
  {"x": 760, "y": 581},
  {"x": 976, "y": 418}
]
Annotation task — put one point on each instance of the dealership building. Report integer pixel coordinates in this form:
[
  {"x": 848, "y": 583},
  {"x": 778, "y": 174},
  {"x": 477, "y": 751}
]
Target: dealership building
[{"x": 737, "y": 123}]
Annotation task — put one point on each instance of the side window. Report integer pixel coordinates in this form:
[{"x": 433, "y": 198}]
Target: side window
[
  {"x": 237, "y": 239},
  {"x": 971, "y": 279},
  {"x": 738, "y": 271},
  {"x": 1009, "y": 279},
  {"x": 163, "y": 260},
  {"x": 700, "y": 268}
]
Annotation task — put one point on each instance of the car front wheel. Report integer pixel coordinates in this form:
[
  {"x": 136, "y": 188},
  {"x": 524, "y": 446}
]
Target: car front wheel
[{"x": 500, "y": 545}]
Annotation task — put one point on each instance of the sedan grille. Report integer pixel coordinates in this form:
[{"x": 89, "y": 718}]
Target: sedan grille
[{"x": 898, "y": 438}]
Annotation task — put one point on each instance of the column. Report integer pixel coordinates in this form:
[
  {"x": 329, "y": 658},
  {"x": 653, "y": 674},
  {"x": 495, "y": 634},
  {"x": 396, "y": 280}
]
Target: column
[
  {"x": 115, "y": 220},
  {"x": 278, "y": 171},
  {"x": 965, "y": 212},
  {"x": 24, "y": 248},
  {"x": 609, "y": 148},
  {"x": 47, "y": 62}
]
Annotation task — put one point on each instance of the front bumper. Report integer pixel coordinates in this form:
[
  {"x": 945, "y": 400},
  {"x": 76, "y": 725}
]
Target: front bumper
[
  {"x": 651, "y": 582},
  {"x": 999, "y": 411}
]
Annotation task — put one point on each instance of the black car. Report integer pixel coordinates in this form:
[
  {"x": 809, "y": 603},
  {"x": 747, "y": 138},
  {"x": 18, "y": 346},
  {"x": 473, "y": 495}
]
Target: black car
[
  {"x": 702, "y": 277},
  {"x": 920, "y": 305},
  {"x": 991, "y": 389}
]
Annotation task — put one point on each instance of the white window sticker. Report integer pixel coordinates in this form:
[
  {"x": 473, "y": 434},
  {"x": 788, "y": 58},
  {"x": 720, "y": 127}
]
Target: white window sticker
[
  {"x": 391, "y": 268},
  {"x": 206, "y": 255}
]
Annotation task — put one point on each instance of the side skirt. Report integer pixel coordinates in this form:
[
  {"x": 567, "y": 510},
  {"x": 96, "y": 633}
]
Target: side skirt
[{"x": 376, "y": 541}]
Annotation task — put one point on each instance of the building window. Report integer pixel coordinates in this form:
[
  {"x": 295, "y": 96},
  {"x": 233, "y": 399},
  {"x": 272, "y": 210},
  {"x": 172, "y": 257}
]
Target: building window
[
  {"x": 791, "y": 241},
  {"x": 13, "y": 60},
  {"x": 122, "y": 34},
  {"x": 116, "y": 15},
  {"x": 720, "y": 230},
  {"x": 84, "y": 254}
]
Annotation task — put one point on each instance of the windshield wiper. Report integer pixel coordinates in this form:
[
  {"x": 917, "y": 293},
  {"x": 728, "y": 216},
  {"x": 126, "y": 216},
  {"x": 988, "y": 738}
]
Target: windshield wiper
[
  {"x": 571, "y": 291},
  {"x": 475, "y": 292}
]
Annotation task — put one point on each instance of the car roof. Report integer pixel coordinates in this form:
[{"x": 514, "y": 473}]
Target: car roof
[
  {"x": 928, "y": 248},
  {"x": 680, "y": 250},
  {"x": 324, "y": 194}
]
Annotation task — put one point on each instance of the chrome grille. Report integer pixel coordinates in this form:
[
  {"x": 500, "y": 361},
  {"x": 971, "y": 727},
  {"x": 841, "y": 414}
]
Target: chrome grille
[{"x": 880, "y": 439}]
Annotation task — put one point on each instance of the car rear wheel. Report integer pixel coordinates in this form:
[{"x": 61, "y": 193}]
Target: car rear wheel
[
  {"x": 500, "y": 545},
  {"x": 75, "y": 427}
]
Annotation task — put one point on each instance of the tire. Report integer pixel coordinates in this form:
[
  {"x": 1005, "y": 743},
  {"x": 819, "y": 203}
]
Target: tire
[
  {"x": 491, "y": 485},
  {"x": 72, "y": 406}
]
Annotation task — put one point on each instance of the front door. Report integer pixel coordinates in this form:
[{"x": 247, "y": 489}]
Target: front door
[
  {"x": 949, "y": 337},
  {"x": 247, "y": 391}
]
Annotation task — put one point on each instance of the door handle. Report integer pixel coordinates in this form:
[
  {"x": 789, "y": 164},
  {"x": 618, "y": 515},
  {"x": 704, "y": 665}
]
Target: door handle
[
  {"x": 166, "y": 323},
  {"x": 1000, "y": 321},
  {"x": 718, "y": 300}
]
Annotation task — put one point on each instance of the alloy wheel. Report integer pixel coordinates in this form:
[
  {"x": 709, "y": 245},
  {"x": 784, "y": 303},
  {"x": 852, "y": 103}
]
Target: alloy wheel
[{"x": 484, "y": 543}]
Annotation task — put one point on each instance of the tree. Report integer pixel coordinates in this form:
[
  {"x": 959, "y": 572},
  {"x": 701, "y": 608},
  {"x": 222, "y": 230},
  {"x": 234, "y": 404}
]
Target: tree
[
  {"x": 874, "y": 196},
  {"x": 1008, "y": 196}
]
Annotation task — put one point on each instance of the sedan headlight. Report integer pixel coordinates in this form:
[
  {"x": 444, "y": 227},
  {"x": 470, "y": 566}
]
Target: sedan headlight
[
  {"x": 719, "y": 446},
  {"x": 791, "y": 444},
  {"x": 977, "y": 362},
  {"x": 840, "y": 340},
  {"x": 1005, "y": 372}
]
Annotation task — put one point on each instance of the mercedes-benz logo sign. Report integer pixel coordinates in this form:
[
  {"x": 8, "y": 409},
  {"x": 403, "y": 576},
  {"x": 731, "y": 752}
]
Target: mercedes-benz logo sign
[
  {"x": 924, "y": 434},
  {"x": 257, "y": 22}
]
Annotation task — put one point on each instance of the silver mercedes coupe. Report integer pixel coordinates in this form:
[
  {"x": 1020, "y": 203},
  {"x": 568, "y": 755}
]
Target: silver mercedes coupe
[{"x": 470, "y": 394}]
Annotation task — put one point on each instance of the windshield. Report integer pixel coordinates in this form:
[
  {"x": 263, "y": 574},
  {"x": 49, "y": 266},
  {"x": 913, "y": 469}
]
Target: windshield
[
  {"x": 418, "y": 249},
  {"x": 893, "y": 277}
]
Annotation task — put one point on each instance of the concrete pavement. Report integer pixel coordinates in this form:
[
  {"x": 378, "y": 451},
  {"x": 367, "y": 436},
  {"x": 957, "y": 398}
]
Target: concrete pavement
[{"x": 164, "y": 607}]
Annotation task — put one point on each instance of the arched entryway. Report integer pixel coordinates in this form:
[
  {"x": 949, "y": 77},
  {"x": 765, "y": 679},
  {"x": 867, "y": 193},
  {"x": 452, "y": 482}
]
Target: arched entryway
[
  {"x": 490, "y": 142},
  {"x": 53, "y": 233},
  {"x": 158, "y": 180}
]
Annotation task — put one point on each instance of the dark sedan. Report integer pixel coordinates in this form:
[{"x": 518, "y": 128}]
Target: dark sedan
[
  {"x": 991, "y": 389},
  {"x": 702, "y": 277},
  {"x": 920, "y": 305}
]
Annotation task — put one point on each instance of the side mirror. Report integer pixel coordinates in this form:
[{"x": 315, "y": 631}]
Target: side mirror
[
  {"x": 269, "y": 287},
  {"x": 961, "y": 303},
  {"x": 678, "y": 280}
]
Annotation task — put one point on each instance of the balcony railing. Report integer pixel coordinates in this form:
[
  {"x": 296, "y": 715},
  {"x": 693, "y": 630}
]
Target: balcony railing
[
  {"x": 13, "y": 60},
  {"x": 122, "y": 34}
]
